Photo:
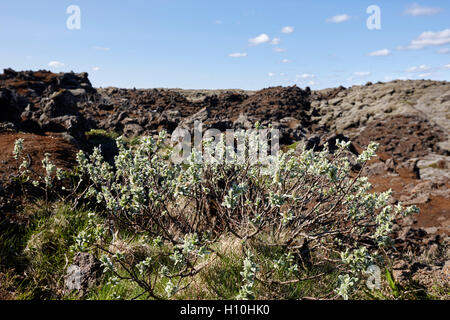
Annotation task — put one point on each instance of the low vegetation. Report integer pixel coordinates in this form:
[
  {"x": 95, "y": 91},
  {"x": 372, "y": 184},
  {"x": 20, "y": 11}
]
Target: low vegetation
[{"x": 308, "y": 227}]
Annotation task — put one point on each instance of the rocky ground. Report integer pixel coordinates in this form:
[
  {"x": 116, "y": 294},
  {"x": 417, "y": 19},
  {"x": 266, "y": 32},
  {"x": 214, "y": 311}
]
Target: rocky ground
[{"x": 410, "y": 120}]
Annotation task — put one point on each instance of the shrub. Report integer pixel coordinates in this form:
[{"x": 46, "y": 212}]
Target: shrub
[
  {"x": 310, "y": 211},
  {"x": 43, "y": 182}
]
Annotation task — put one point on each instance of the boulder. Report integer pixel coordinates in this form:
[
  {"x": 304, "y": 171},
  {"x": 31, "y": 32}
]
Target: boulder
[
  {"x": 61, "y": 103},
  {"x": 9, "y": 110},
  {"x": 83, "y": 273},
  {"x": 132, "y": 130}
]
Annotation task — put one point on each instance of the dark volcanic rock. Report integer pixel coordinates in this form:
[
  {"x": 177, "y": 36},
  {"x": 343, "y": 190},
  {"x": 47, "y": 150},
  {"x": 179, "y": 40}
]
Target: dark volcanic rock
[
  {"x": 40, "y": 102},
  {"x": 284, "y": 108},
  {"x": 9, "y": 110},
  {"x": 403, "y": 136}
]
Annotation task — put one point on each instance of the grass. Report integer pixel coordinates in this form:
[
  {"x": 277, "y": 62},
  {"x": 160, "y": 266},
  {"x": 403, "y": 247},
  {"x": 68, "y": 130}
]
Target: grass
[
  {"x": 221, "y": 279},
  {"x": 12, "y": 241},
  {"x": 99, "y": 136},
  {"x": 291, "y": 147},
  {"x": 125, "y": 290},
  {"x": 38, "y": 250}
]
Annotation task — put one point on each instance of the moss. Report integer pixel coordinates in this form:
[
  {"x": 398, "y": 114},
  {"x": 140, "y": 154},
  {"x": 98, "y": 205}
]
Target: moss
[
  {"x": 100, "y": 137},
  {"x": 291, "y": 147}
]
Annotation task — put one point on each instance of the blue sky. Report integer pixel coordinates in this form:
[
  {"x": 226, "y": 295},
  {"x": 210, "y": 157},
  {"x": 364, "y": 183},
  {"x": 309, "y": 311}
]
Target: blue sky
[{"x": 229, "y": 44}]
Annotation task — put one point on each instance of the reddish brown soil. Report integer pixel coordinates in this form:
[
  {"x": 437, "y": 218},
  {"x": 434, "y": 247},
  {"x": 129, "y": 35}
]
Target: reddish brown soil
[
  {"x": 435, "y": 212},
  {"x": 62, "y": 152}
]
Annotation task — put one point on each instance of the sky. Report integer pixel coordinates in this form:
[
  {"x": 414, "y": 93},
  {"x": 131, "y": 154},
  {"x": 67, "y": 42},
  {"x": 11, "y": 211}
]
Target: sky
[{"x": 245, "y": 44}]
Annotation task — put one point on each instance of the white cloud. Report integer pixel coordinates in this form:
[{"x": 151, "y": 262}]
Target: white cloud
[
  {"x": 420, "y": 68},
  {"x": 447, "y": 66},
  {"x": 380, "y": 53},
  {"x": 362, "y": 73},
  {"x": 444, "y": 51},
  {"x": 56, "y": 64},
  {"x": 101, "y": 48},
  {"x": 275, "y": 41},
  {"x": 416, "y": 10},
  {"x": 273, "y": 74},
  {"x": 237, "y": 55},
  {"x": 287, "y": 29},
  {"x": 339, "y": 18},
  {"x": 218, "y": 22},
  {"x": 279, "y": 50},
  {"x": 313, "y": 83},
  {"x": 96, "y": 68},
  {"x": 262, "y": 38},
  {"x": 429, "y": 38},
  {"x": 285, "y": 61},
  {"x": 425, "y": 75},
  {"x": 359, "y": 74},
  {"x": 305, "y": 76}
]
